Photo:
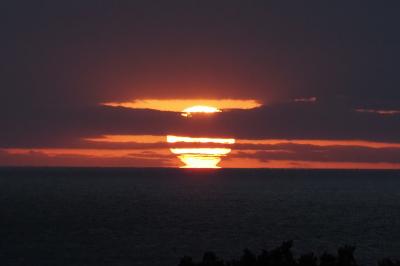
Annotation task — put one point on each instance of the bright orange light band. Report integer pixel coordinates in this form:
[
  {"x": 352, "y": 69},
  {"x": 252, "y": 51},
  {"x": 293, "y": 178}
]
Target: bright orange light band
[
  {"x": 175, "y": 139},
  {"x": 201, "y": 151},
  {"x": 177, "y": 105}
]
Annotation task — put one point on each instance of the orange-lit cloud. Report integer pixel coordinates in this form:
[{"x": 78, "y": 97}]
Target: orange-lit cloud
[
  {"x": 360, "y": 143},
  {"x": 84, "y": 152},
  {"x": 175, "y": 139},
  {"x": 85, "y": 158},
  {"x": 294, "y": 164},
  {"x": 178, "y": 105},
  {"x": 127, "y": 138}
]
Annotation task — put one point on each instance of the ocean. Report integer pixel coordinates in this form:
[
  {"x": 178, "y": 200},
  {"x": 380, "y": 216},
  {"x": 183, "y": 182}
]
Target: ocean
[{"x": 139, "y": 216}]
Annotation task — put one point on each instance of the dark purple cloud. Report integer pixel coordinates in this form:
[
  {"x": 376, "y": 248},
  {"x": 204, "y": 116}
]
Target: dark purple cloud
[
  {"x": 37, "y": 158},
  {"x": 315, "y": 153},
  {"x": 55, "y": 127}
]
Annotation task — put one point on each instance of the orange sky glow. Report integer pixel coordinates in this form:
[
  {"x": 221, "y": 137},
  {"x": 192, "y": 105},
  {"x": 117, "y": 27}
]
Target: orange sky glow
[
  {"x": 181, "y": 105},
  {"x": 200, "y": 152},
  {"x": 204, "y": 157}
]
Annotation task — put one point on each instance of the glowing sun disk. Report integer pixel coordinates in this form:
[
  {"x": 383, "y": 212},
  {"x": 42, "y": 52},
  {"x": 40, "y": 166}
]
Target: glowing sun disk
[
  {"x": 200, "y": 157},
  {"x": 198, "y": 161},
  {"x": 200, "y": 109}
]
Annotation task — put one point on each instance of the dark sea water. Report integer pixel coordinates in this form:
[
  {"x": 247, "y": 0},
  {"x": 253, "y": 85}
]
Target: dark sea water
[{"x": 155, "y": 216}]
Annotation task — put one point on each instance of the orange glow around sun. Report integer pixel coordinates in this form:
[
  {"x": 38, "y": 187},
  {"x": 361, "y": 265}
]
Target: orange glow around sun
[{"x": 181, "y": 105}]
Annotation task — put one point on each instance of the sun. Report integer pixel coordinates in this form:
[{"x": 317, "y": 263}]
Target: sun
[
  {"x": 200, "y": 157},
  {"x": 203, "y": 152},
  {"x": 187, "y": 112},
  {"x": 199, "y": 152}
]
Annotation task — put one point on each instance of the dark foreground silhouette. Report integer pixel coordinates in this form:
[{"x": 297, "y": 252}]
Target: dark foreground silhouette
[{"x": 283, "y": 256}]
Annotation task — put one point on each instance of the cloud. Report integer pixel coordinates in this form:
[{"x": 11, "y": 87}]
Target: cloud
[
  {"x": 300, "y": 121},
  {"x": 315, "y": 153},
  {"x": 380, "y": 112},
  {"x": 283, "y": 154},
  {"x": 310, "y": 99},
  {"x": 38, "y": 158},
  {"x": 67, "y": 127}
]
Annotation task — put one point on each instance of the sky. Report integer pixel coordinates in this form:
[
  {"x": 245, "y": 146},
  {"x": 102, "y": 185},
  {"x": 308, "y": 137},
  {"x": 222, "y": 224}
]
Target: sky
[{"x": 324, "y": 77}]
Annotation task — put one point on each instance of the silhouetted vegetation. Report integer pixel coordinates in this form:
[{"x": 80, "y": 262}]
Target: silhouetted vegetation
[
  {"x": 388, "y": 262},
  {"x": 283, "y": 256}
]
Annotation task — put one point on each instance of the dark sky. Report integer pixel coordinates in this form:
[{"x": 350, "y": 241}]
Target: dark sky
[{"x": 60, "y": 59}]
